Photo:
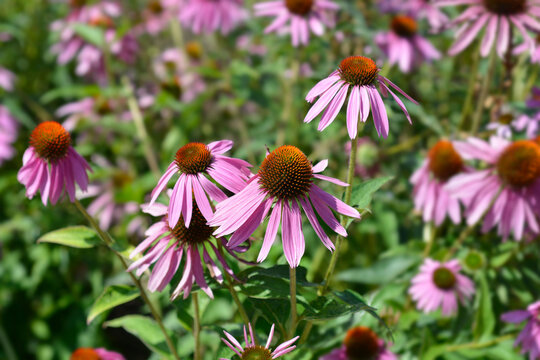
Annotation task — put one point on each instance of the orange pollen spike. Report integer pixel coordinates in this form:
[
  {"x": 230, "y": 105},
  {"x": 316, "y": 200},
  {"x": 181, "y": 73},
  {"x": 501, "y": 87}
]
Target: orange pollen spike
[
  {"x": 519, "y": 163},
  {"x": 50, "y": 140},
  {"x": 193, "y": 158},
  {"x": 358, "y": 70},
  {"x": 444, "y": 161}
]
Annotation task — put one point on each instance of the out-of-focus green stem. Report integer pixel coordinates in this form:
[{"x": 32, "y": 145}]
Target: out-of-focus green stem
[
  {"x": 196, "y": 326},
  {"x": 431, "y": 239},
  {"x": 6, "y": 345},
  {"x": 475, "y": 345},
  {"x": 467, "y": 105},
  {"x": 294, "y": 315},
  {"x": 136, "y": 114},
  {"x": 109, "y": 242},
  {"x": 177, "y": 35},
  {"x": 477, "y": 119},
  {"x": 289, "y": 122}
]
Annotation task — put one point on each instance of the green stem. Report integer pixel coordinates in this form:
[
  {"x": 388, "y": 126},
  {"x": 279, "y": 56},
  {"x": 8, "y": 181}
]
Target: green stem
[
  {"x": 196, "y": 326},
  {"x": 306, "y": 332},
  {"x": 239, "y": 305},
  {"x": 339, "y": 240},
  {"x": 477, "y": 119},
  {"x": 177, "y": 36},
  {"x": 287, "y": 118},
  {"x": 109, "y": 242},
  {"x": 467, "y": 105},
  {"x": 431, "y": 240},
  {"x": 6, "y": 345},
  {"x": 138, "y": 120},
  {"x": 484, "y": 344},
  {"x": 294, "y": 314}
]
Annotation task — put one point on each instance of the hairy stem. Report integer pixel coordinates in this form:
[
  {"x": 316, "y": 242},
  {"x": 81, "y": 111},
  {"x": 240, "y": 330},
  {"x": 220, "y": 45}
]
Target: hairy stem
[
  {"x": 294, "y": 314},
  {"x": 109, "y": 242},
  {"x": 196, "y": 326}
]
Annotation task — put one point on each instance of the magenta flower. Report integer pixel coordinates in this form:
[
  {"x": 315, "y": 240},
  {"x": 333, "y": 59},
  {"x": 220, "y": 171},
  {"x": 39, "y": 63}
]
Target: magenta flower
[
  {"x": 212, "y": 15},
  {"x": 430, "y": 195},
  {"x": 427, "y": 9},
  {"x": 514, "y": 170},
  {"x": 172, "y": 70},
  {"x": 440, "y": 286},
  {"x": 285, "y": 178},
  {"x": 529, "y": 124},
  {"x": 92, "y": 109},
  {"x": 499, "y": 18},
  {"x": 7, "y": 78},
  {"x": 194, "y": 162},
  {"x": 534, "y": 100},
  {"x": 404, "y": 46},
  {"x": 303, "y": 16},
  {"x": 253, "y": 351},
  {"x": 51, "y": 165},
  {"x": 167, "y": 245},
  {"x": 360, "y": 75},
  {"x": 8, "y": 134},
  {"x": 529, "y": 338},
  {"x": 95, "y": 354},
  {"x": 361, "y": 343},
  {"x": 156, "y": 16}
]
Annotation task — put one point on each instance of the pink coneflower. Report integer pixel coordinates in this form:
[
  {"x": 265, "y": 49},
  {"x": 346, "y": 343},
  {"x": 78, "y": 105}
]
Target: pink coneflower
[
  {"x": 361, "y": 343},
  {"x": 303, "y": 16},
  {"x": 108, "y": 207},
  {"x": 285, "y": 178},
  {"x": 361, "y": 75},
  {"x": 529, "y": 124},
  {"x": 51, "y": 165},
  {"x": 253, "y": 351},
  {"x": 440, "y": 286},
  {"x": 529, "y": 338},
  {"x": 212, "y": 15},
  {"x": 194, "y": 162},
  {"x": 500, "y": 18},
  {"x": 8, "y": 134},
  {"x": 167, "y": 245},
  {"x": 427, "y": 9},
  {"x": 514, "y": 170},
  {"x": 95, "y": 354},
  {"x": 156, "y": 16},
  {"x": 404, "y": 46},
  {"x": 92, "y": 109},
  {"x": 7, "y": 78},
  {"x": 534, "y": 100},
  {"x": 430, "y": 195},
  {"x": 172, "y": 69}
]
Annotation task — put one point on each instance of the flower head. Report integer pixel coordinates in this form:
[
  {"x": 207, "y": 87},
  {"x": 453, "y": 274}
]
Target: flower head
[
  {"x": 404, "y": 46},
  {"x": 95, "y": 354},
  {"x": 8, "y": 134},
  {"x": 51, "y": 165},
  {"x": 252, "y": 351},
  {"x": 194, "y": 162},
  {"x": 440, "y": 285},
  {"x": 361, "y": 343},
  {"x": 212, "y": 15},
  {"x": 303, "y": 15},
  {"x": 166, "y": 245},
  {"x": 499, "y": 18},
  {"x": 529, "y": 338},
  {"x": 360, "y": 75},
  {"x": 430, "y": 195},
  {"x": 285, "y": 178},
  {"x": 507, "y": 192}
]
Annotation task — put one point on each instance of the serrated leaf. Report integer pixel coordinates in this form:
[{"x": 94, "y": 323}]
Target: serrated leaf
[
  {"x": 145, "y": 329},
  {"x": 111, "y": 297},
  {"x": 80, "y": 237},
  {"x": 363, "y": 193}
]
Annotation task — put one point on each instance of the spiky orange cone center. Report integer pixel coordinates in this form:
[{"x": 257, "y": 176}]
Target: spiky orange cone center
[
  {"x": 50, "y": 141},
  {"x": 193, "y": 158},
  {"x": 444, "y": 161},
  {"x": 358, "y": 70},
  {"x": 519, "y": 163}
]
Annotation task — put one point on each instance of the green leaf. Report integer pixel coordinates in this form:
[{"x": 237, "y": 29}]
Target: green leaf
[
  {"x": 80, "y": 237},
  {"x": 382, "y": 272},
  {"x": 484, "y": 322},
  {"x": 337, "y": 304},
  {"x": 93, "y": 34},
  {"x": 111, "y": 297},
  {"x": 363, "y": 193},
  {"x": 271, "y": 282},
  {"x": 144, "y": 328}
]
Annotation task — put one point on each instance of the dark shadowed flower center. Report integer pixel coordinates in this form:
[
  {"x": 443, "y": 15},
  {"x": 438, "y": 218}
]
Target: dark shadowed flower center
[
  {"x": 198, "y": 232},
  {"x": 174, "y": 86},
  {"x": 155, "y": 6},
  {"x": 444, "y": 278},
  {"x": 404, "y": 25},
  {"x": 286, "y": 173},
  {"x": 506, "y": 7},
  {"x": 361, "y": 343},
  {"x": 84, "y": 354},
  {"x": 77, "y": 3},
  {"x": 193, "y": 158},
  {"x": 505, "y": 119},
  {"x": 519, "y": 163},
  {"x": 444, "y": 161},
  {"x": 256, "y": 353},
  {"x": 50, "y": 140},
  {"x": 358, "y": 70},
  {"x": 121, "y": 178},
  {"x": 101, "y": 21},
  {"x": 299, "y": 7}
]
